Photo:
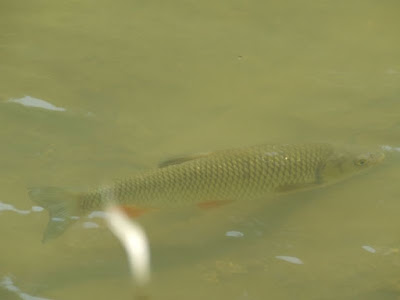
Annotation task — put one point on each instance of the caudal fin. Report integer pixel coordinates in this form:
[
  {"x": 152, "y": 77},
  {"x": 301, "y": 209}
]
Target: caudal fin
[{"x": 61, "y": 206}]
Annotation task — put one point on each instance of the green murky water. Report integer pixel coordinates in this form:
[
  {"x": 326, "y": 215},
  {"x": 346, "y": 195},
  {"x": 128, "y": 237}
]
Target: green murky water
[{"x": 141, "y": 81}]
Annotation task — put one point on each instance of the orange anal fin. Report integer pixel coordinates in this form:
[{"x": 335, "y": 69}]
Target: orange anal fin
[
  {"x": 134, "y": 212},
  {"x": 213, "y": 204}
]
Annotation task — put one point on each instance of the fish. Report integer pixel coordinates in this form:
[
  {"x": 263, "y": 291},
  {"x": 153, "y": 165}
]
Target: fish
[{"x": 212, "y": 178}]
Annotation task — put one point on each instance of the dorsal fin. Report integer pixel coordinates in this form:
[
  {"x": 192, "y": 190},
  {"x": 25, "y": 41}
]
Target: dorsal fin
[{"x": 181, "y": 159}]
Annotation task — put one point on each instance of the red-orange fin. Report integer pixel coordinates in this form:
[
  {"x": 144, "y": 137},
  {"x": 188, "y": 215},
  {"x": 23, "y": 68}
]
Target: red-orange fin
[
  {"x": 134, "y": 211},
  {"x": 213, "y": 204}
]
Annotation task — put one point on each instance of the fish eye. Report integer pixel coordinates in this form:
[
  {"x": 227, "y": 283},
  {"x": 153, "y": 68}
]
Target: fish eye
[{"x": 361, "y": 162}]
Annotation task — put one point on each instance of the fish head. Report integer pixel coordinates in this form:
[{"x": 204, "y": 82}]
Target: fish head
[{"x": 342, "y": 163}]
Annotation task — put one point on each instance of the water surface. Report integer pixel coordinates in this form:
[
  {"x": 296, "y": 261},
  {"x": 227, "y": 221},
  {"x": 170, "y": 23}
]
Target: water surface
[{"x": 141, "y": 81}]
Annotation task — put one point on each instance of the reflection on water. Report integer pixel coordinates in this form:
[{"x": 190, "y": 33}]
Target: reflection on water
[
  {"x": 390, "y": 148},
  {"x": 291, "y": 259},
  {"x": 368, "y": 248},
  {"x": 236, "y": 234},
  {"x": 89, "y": 225},
  {"x": 9, "y": 207},
  {"x": 34, "y": 102},
  {"x": 9, "y": 285}
]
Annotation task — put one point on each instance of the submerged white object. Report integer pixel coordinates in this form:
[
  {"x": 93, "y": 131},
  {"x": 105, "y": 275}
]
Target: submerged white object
[
  {"x": 8, "y": 284},
  {"x": 134, "y": 240},
  {"x": 34, "y": 102},
  {"x": 369, "y": 249},
  {"x": 291, "y": 259}
]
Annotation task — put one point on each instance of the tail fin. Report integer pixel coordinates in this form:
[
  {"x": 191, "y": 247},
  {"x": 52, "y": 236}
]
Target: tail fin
[{"x": 60, "y": 205}]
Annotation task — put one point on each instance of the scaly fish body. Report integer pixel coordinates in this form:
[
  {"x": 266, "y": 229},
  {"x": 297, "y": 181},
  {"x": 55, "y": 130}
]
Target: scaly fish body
[
  {"x": 236, "y": 174},
  {"x": 224, "y": 175}
]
